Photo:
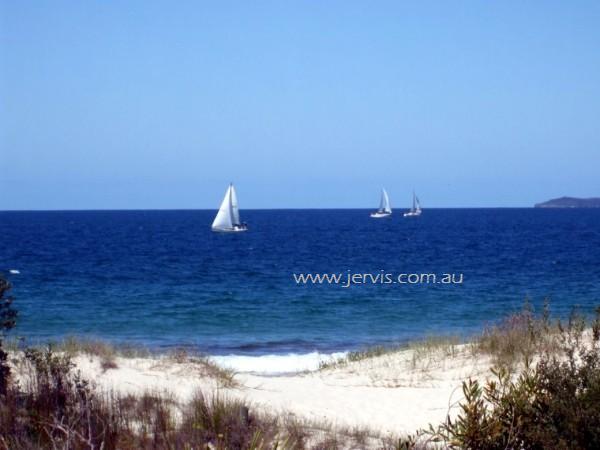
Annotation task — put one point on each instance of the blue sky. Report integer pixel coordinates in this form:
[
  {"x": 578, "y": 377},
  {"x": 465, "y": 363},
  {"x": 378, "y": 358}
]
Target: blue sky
[{"x": 301, "y": 104}]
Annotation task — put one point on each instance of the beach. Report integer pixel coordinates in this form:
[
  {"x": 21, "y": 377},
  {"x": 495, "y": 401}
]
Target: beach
[{"x": 397, "y": 393}]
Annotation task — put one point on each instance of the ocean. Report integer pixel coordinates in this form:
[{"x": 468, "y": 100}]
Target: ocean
[{"x": 162, "y": 279}]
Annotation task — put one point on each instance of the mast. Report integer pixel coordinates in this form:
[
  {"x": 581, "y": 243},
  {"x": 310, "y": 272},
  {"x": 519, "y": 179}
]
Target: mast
[
  {"x": 231, "y": 204},
  {"x": 235, "y": 211},
  {"x": 387, "y": 207}
]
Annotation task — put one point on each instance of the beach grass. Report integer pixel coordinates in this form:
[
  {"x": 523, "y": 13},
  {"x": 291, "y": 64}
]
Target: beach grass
[
  {"x": 56, "y": 408},
  {"x": 519, "y": 338},
  {"x": 422, "y": 351},
  {"x": 224, "y": 376},
  {"x": 109, "y": 354}
]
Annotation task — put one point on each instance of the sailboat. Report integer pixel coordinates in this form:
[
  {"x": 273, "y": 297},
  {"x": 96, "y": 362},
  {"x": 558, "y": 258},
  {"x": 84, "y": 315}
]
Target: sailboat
[
  {"x": 384, "y": 206},
  {"x": 416, "y": 207},
  {"x": 228, "y": 217}
]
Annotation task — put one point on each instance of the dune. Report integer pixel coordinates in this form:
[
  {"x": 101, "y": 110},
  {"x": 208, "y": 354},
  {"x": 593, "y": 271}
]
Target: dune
[{"x": 395, "y": 393}]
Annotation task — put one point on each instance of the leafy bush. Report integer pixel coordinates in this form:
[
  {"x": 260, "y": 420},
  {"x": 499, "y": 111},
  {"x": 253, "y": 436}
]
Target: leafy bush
[{"x": 555, "y": 405}]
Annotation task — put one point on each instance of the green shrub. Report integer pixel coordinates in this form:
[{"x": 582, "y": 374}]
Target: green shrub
[{"x": 555, "y": 405}]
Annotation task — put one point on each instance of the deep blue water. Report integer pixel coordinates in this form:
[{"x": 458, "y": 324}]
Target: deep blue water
[{"x": 162, "y": 278}]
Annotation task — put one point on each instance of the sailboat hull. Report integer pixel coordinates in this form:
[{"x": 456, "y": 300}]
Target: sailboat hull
[
  {"x": 412, "y": 214},
  {"x": 380, "y": 215},
  {"x": 234, "y": 229}
]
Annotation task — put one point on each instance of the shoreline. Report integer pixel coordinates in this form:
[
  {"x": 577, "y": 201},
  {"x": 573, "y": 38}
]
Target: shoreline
[{"x": 265, "y": 364}]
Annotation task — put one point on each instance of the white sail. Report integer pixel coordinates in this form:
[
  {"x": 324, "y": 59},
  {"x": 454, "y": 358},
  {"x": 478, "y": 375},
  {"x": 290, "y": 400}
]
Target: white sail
[
  {"x": 418, "y": 204},
  {"x": 235, "y": 212},
  {"x": 384, "y": 205},
  {"x": 223, "y": 220}
]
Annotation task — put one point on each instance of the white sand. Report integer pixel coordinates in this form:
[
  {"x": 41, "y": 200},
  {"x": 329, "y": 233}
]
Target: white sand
[{"x": 387, "y": 394}]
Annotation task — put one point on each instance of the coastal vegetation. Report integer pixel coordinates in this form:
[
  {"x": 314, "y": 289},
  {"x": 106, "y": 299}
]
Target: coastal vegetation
[
  {"x": 58, "y": 409},
  {"x": 544, "y": 394},
  {"x": 421, "y": 350},
  {"x": 554, "y": 404},
  {"x": 7, "y": 321},
  {"x": 109, "y": 353}
]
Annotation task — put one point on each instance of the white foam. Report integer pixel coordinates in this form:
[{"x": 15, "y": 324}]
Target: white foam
[
  {"x": 276, "y": 364},
  {"x": 14, "y": 271}
]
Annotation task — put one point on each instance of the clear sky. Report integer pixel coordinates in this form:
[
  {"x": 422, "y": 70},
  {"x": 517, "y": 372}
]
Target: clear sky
[{"x": 114, "y": 104}]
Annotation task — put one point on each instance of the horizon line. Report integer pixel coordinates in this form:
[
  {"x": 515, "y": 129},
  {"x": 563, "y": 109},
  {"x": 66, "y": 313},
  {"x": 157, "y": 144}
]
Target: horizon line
[{"x": 267, "y": 209}]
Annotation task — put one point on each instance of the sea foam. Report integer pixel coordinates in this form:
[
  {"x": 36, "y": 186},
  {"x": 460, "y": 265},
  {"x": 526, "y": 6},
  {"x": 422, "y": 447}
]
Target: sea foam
[{"x": 276, "y": 364}]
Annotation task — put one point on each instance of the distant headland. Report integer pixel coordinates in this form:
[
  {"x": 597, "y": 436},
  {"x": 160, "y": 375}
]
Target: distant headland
[{"x": 570, "y": 202}]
